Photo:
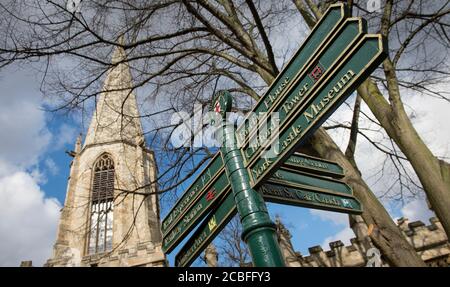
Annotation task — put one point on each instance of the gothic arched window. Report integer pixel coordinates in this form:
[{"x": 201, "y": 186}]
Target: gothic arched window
[{"x": 102, "y": 203}]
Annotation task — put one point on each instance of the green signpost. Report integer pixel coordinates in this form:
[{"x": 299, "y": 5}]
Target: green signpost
[
  {"x": 289, "y": 194},
  {"x": 258, "y": 162},
  {"x": 258, "y": 230},
  {"x": 306, "y": 169}
]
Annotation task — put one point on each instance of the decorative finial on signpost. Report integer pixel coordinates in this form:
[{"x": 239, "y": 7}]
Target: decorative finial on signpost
[{"x": 222, "y": 103}]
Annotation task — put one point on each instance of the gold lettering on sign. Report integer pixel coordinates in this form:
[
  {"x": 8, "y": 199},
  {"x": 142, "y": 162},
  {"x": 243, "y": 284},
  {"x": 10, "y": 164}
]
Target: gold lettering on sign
[
  {"x": 172, "y": 235},
  {"x": 192, "y": 214},
  {"x": 252, "y": 121},
  {"x": 271, "y": 98},
  {"x": 205, "y": 177},
  {"x": 308, "y": 163},
  {"x": 314, "y": 110},
  {"x": 310, "y": 114},
  {"x": 262, "y": 168},
  {"x": 287, "y": 107},
  {"x": 197, "y": 243},
  {"x": 288, "y": 193},
  {"x": 329, "y": 200},
  {"x": 277, "y": 175},
  {"x": 243, "y": 133},
  {"x": 316, "y": 164},
  {"x": 295, "y": 131},
  {"x": 180, "y": 208}
]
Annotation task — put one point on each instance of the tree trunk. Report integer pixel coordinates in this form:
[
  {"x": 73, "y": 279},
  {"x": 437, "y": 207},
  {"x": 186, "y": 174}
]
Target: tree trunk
[
  {"x": 432, "y": 172},
  {"x": 386, "y": 235}
]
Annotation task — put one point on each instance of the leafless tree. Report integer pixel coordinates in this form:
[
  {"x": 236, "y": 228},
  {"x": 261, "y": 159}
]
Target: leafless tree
[
  {"x": 414, "y": 28},
  {"x": 231, "y": 248},
  {"x": 180, "y": 51}
]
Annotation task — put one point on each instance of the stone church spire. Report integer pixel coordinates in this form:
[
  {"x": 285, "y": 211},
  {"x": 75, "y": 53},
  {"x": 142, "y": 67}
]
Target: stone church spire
[
  {"x": 104, "y": 221},
  {"x": 116, "y": 117}
]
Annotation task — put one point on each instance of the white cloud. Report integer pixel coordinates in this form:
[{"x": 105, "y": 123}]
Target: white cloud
[
  {"x": 430, "y": 118},
  {"x": 22, "y": 124},
  {"x": 336, "y": 218},
  {"x": 339, "y": 219},
  {"x": 51, "y": 166},
  {"x": 66, "y": 135},
  {"x": 28, "y": 221},
  {"x": 344, "y": 235},
  {"x": 38, "y": 176},
  {"x": 6, "y": 169},
  {"x": 417, "y": 210}
]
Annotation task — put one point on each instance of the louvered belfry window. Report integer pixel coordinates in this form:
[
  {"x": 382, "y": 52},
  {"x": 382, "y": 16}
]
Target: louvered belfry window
[{"x": 102, "y": 203}]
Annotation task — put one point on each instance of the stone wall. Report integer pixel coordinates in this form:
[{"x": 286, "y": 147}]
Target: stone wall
[{"x": 430, "y": 242}]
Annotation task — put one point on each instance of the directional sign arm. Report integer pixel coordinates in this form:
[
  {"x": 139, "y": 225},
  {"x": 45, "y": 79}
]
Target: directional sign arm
[
  {"x": 353, "y": 70},
  {"x": 304, "y": 197},
  {"x": 292, "y": 176},
  {"x": 304, "y": 86},
  {"x": 314, "y": 165},
  {"x": 299, "y": 168},
  {"x": 272, "y": 192},
  {"x": 300, "y": 61},
  {"x": 206, "y": 232},
  {"x": 193, "y": 192}
]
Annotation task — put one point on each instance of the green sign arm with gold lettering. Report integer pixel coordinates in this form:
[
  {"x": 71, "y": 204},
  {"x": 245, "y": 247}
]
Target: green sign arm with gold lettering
[
  {"x": 304, "y": 197},
  {"x": 300, "y": 88},
  {"x": 206, "y": 232},
  {"x": 302, "y": 60},
  {"x": 314, "y": 165},
  {"x": 272, "y": 192},
  {"x": 353, "y": 70},
  {"x": 306, "y": 169}
]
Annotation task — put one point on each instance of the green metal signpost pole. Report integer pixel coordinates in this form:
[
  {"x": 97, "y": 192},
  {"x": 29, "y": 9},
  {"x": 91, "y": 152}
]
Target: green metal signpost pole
[{"x": 258, "y": 230}]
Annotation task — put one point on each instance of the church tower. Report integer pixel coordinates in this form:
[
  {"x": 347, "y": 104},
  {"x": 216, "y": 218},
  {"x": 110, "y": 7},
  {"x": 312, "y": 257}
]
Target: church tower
[{"x": 111, "y": 213}]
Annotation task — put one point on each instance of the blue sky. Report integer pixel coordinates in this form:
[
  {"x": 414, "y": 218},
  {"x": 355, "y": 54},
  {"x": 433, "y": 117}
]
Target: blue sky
[
  {"x": 53, "y": 134},
  {"x": 34, "y": 169}
]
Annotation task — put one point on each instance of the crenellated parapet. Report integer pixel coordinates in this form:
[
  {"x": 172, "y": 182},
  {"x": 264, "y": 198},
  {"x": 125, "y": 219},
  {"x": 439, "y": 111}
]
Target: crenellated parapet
[
  {"x": 430, "y": 242},
  {"x": 338, "y": 255}
]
